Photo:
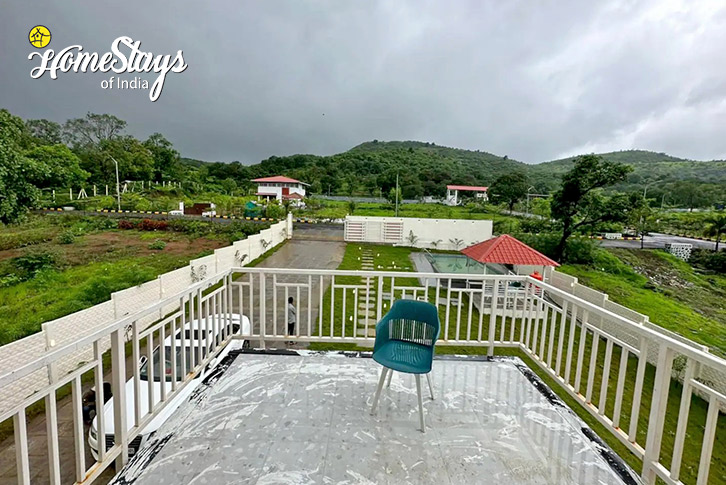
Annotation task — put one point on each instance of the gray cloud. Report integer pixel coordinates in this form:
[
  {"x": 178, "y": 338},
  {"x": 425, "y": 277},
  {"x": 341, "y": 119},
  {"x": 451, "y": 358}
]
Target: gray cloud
[{"x": 533, "y": 81}]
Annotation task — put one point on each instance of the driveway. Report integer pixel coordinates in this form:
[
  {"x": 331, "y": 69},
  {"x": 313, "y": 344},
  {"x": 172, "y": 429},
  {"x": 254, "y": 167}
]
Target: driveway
[{"x": 658, "y": 241}]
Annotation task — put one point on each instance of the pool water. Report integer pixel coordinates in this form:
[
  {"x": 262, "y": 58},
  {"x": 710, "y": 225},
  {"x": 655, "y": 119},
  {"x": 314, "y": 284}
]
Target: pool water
[{"x": 460, "y": 264}]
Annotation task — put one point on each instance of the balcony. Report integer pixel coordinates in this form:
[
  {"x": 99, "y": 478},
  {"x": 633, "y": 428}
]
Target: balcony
[{"x": 269, "y": 415}]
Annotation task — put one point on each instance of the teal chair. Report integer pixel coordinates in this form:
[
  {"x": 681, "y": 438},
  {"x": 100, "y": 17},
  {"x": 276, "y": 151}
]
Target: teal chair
[{"x": 405, "y": 340}]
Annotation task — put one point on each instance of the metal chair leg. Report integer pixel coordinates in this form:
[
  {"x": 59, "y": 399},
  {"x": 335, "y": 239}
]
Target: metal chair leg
[
  {"x": 390, "y": 376},
  {"x": 420, "y": 403},
  {"x": 431, "y": 386},
  {"x": 384, "y": 370}
]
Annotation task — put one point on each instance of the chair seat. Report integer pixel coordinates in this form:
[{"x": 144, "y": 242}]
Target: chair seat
[{"x": 402, "y": 356}]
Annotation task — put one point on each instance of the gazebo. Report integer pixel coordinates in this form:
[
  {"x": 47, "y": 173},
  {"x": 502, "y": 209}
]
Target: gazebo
[{"x": 511, "y": 252}]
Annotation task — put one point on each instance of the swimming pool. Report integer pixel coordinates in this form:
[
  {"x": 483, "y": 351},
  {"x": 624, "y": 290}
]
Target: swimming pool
[{"x": 460, "y": 264}]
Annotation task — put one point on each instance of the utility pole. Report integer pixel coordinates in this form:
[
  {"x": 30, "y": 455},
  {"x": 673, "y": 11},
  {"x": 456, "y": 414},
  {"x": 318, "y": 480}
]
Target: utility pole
[
  {"x": 118, "y": 184},
  {"x": 396, "y": 194}
]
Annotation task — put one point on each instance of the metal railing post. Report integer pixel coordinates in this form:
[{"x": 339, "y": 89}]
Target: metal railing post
[{"x": 492, "y": 316}]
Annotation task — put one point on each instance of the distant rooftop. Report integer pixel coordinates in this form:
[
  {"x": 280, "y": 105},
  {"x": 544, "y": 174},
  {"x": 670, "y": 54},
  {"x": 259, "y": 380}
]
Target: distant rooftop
[
  {"x": 506, "y": 249},
  {"x": 279, "y": 179},
  {"x": 305, "y": 419},
  {"x": 469, "y": 188}
]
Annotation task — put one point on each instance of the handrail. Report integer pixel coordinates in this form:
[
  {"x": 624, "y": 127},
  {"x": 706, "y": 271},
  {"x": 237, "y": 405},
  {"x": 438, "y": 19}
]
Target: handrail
[{"x": 709, "y": 358}]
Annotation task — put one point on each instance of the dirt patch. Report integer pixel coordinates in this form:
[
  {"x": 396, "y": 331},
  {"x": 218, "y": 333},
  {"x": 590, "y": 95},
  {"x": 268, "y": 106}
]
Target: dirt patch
[{"x": 111, "y": 245}]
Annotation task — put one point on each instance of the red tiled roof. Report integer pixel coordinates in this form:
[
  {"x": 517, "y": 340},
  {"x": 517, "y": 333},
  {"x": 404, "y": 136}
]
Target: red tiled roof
[
  {"x": 471, "y": 188},
  {"x": 279, "y": 179},
  {"x": 292, "y": 196},
  {"x": 507, "y": 250}
]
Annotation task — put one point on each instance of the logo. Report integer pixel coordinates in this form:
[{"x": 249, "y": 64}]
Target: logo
[
  {"x": 39, "y": 36},
  {"x": 125, "y": 57}
]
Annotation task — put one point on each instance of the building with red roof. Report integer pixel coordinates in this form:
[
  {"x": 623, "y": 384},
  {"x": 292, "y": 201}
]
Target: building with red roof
[
  {"x": 510, "y": 252},
  {"x": 280, "y": 188},
  {"x": 452, "y": 192}
]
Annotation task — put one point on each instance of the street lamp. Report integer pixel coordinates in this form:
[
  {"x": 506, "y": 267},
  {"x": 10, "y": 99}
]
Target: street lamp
[
  {"x": 118, "y": 184},
  {"x": 531, "y": 188}
]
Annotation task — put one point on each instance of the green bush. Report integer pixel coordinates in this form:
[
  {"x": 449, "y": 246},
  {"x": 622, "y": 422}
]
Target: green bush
[
  {"x": 157, "y": 245},
  {"x": 709, "y": 260},
  {"x": 67, "y": 237},
  {"x": 33, "y": 262},
  {"x": 577, "y": 250},
  {"x": 25, "y": 238},
  {"x": 274, "y": 211}
]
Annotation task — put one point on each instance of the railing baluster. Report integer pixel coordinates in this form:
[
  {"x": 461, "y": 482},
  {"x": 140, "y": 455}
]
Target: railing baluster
[
  {"x": 344, "y": 317},
  {"x": 21, "y": 447},
  {"x": 274, "y": 307},
  {"x": 51, "y": 421},
  {"x": 310, "y": 305},
  {"x": 469, "y": 315},
  {"x": 709, "y": 434},
  {"x": 581, "y": 352},
  {"x": 570, "y": 344},
  {"x": 183, "y": 331},
  {"x": 481, "y": 315},
  {"x": 551, "y": 344},
  {"x": 263, "y": 311},
  {"x": 149, "y": 372},
  {"x": 174, "y": 350},
  {"x": 297, "y": 312},
  {"x": 332, "y": 305},
  {"x": 320, "y": 308},
  {"x": 638, "y": 391},
  {"x": 561, "y": 339},
  {"x": 78, "y": 437},
  {"x": 683, "y": 412},
  {"x": 197, "y": 333},
  {"x": 492, "y": 317},
  {"x": 448, "y": 306},
  {"x": 460, "y": 303},
  {"x": 657, "y": 413},
  {"x": 605, "y": 377},
  {"x": 135, "y": 357},
  {"x": 118, "y": 386},
  {"x": 593, "y": 366},
  {"x": 543, "y": 330},
  {"x": 620, "y": 388},
  {"x": 100, "y": 417}
]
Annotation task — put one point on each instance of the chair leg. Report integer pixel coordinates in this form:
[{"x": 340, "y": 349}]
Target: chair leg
[
  {"x": 390, "y": 376},
  {"x": 384, "y": 371},
  {"x": 431, "y": 386},
  {"x": 420, "y": 403}
]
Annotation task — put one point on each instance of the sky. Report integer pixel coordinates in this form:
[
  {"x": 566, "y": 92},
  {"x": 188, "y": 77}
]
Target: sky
[{"x": 534, "y": 81}]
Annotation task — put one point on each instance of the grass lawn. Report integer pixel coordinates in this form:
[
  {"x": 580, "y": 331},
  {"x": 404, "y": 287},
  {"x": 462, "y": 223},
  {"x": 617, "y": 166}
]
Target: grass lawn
[
  {"x": 668, "y": 290},
  {"x": 387, "y": 256}
]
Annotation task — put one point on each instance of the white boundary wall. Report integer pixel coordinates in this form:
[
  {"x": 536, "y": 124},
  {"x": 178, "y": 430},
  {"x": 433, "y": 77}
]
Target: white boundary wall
[
  {"x": 76, "y": 325},
  {"x": 428, "y": 233}
]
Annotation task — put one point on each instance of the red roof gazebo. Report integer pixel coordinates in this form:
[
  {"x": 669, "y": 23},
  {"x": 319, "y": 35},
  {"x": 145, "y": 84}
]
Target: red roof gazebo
[{"x": 507, "y": 250}]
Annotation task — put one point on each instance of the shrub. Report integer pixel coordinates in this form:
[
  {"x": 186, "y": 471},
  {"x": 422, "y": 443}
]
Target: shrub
[
  {"x": 33, "y": 262},
  {"x": 67, "y": 237},
  {"x": 125, "y": 224},
  {"x": 275, "y": 211},
  {"x": 152, "y": 225},
  {"x": 709, "y": 260},
  {"x": 157, "y": 245}
]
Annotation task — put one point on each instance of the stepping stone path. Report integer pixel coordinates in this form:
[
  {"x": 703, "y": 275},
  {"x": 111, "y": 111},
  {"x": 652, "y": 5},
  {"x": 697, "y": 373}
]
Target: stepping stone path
[{"x": 367, "y": 310}]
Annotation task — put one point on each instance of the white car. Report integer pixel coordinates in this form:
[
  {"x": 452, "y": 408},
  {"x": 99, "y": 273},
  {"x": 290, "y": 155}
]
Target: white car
[{"x": 191, "y": 339}]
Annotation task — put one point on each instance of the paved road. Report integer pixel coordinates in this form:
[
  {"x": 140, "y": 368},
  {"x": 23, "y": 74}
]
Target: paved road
[
  {"x": 137, "y": 215},
  {"x": 658, "y": 241}
]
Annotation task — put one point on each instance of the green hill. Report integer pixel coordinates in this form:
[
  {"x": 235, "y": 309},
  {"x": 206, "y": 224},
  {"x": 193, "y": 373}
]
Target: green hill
[{"x": 426, "y": 168}]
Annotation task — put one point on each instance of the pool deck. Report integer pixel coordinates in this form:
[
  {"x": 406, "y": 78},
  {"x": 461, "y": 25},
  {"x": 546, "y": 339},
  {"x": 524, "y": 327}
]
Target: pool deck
[{"x": 303, "y": 418}]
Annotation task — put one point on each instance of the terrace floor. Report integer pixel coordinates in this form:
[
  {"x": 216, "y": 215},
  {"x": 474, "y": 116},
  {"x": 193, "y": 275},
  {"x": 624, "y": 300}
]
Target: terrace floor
[{"x": 304, "y": 418}]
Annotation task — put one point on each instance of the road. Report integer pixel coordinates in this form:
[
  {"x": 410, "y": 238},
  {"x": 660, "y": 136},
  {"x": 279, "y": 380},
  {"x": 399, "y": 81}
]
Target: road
[{"x": 658, "y": 241}]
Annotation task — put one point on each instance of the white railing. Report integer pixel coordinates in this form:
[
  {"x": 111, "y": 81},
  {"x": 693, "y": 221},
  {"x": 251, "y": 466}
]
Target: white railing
[{"x": 604, "y": 368}]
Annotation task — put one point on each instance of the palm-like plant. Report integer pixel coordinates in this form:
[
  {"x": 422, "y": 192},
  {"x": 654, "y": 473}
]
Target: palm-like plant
[{"x": 716, "y": 226}]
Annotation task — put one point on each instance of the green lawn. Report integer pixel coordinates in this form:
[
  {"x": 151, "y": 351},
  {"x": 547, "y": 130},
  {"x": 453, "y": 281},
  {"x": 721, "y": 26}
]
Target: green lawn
[{"x": 386, "y": 256}]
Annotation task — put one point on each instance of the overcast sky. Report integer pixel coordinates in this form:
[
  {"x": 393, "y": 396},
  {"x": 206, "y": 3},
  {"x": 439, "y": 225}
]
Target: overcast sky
[{"x": 534, "y": 80}]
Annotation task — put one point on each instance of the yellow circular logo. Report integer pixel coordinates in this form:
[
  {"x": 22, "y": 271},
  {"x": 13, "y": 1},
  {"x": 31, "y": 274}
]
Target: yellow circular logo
[{"x": 39, "y": 36}]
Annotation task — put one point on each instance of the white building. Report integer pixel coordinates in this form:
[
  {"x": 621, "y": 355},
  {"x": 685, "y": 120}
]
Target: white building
[
  {"x": 281, "y": 188},
  {"x": 452, "y": 193}
]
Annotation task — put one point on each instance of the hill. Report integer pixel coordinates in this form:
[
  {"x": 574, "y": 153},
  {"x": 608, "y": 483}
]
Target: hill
[
  {"x": 647, "y": 167},
  {"x": 426, "y": 168}
]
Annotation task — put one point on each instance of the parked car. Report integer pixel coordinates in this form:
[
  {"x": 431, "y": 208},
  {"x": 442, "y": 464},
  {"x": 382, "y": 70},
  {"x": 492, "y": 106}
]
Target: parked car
[{"x": 192, "y": 337}]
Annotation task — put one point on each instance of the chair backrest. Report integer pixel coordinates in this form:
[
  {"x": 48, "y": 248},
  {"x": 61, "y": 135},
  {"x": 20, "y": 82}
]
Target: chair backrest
[{"x": 411, "y": 321}]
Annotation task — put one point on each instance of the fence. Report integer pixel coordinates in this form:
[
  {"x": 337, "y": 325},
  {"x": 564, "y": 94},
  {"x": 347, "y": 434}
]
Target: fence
[
  {"x": 605, "y": 374},
  {"x": 66, "y": 330}
]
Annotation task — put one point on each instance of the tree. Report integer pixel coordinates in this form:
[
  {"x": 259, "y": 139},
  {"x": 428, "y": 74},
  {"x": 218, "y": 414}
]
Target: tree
[
  {"x": 23, "y": 173},
  {"x": 135, "y": 161},
  {"x": 509, "y": 189},
  {"x": 716, "y": 226},
  {"x": 391, "y": 196},
  {"x": 93, "y": 129},
  {"x": 641, "y": 216},
  {"x": 351, "y": 206},
  {"x": 166, "y": 159},
  {"x": 578, "y": 203},
  {"x": 45, "y": 132}
]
